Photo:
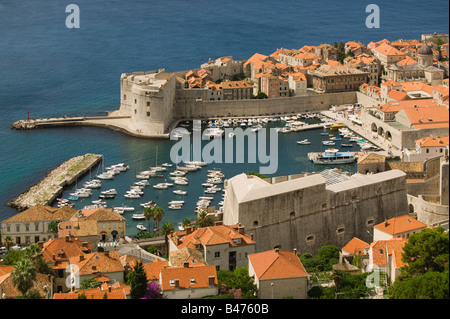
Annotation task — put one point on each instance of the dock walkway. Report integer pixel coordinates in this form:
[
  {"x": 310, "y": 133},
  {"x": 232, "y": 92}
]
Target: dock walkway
[{"x": 47, "y": 190}]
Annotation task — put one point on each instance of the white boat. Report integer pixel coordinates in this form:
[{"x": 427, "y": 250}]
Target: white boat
[
  {"x": 160, "y": 186},
  {"x": 132, "y": 196},
  {"x": 176, "y": 202},
  {"x": 333, "y": 156},
  {"x": 175, "y": 206},
  {"x": 215, "y": 180},
  {"x": 95, "y": 183},
  {"x": 180, "y": 192},
  {"x": 166, "y": 165},
  {"x": 105, "y": 176},
  {"x": 148, "y": 204},
  {"x": 304, "y": 142},
  {"x": 206, "y": 198},
  {"x": 180, "y": 182},
  {"x": 125, "y": 208},
  {"x": 207, "y": 184},
  {"x": 285, "y": 130},
  {"x": 328, "y": 143},
  {"x": 142, "y": 182},
  {"x": 111, "y": 191},
  {"x": 196, "y": 163},
  {"x": 187, "y": 168},
  {"x": 177, "y": 173},
  {"x": 141, "y": 227},
  {"x": 138, "y": 216},
  {"x": 98, "y": 202},
  {"x": 180, "y": 227}
]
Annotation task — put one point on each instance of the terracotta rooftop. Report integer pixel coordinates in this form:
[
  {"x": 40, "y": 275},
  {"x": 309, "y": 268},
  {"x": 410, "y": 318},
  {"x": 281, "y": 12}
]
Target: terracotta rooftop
[
  {"x": 41, "y": 212},
  {"x": 64, "y": 248},
  {"x": 98, "y": 262},
  {"x": 427, "y": 115},
  {"x": 154, "y": 268},
  {"x": 186, "y": 254},
  {"x": 356, "y": 246},
  {"x": 191, "y": 277},
  {"x": 213, "y": 235},
  {"x": 400, "y": 224},
  {"x": 10, "y": 290},
  {"x": 392, "y": 247},
  {"x": 236, "y": 85},
  {"x": 102, "y": 214},
  {"x": 396, "y": 106},
  {"x": 433, "y": 141},
  {"x": 274, "y": 264}
]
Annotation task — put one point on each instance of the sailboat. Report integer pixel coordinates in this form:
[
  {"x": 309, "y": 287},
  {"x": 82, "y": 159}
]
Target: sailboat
[{"x": 157, "y": 168}]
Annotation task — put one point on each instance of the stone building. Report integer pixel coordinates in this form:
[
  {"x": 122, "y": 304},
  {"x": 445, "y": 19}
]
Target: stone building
[
  {"x": 224, "y": 68},
  {"x": 278, "y": 274},
  {"x": 327, "y": 52},
  {"x": 340, "y": 78},
  {"x": 237, "y": 90},
  {"x": 309, "y": 212},
  {"x": 32, "y": 225}
]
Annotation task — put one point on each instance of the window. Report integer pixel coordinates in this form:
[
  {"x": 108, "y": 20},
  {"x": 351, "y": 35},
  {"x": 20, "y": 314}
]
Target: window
[
  {"x": 310, "y": 238},
  {"x": 124, "y": 97},
  {"x": 192, "y": 280},
  {"x": 135, "y": 101},
  {"x": 8, "y": 228},
  {"x": 340, "y": 230},
  {"x": 148, "y": 114},
  {"x": 27, "y": 227},
  {"x": 172, "y": 282},
  {"x": 237, "y": 241},
  {"x": 17, "y": 228},
  {"x": 428, "y": 150},
  {"x": 148, "y": 103},
  {"x": 255, "y": 223},
  {"x": 217, "y": 254},
  {"x": 36, "y": 226}
]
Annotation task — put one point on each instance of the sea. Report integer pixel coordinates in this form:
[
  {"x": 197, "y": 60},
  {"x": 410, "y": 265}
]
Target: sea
[{"x": 52, "y": 70}]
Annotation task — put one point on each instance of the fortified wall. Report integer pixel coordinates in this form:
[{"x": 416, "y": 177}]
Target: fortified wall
[{"x": 306, "y": 213}]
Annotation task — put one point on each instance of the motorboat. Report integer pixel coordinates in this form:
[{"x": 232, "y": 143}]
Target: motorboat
[
  {"x": 98, "y": 202},
  {"x": 176, "y": 202},
  {"x": 304, "y": 142},
  {"x": 138, "y": 216},
  {"x": 160, "y": 186},
  {"x": 285, "y": 130},
  {"x": 166, "y": 165},
  {"x": 180, "y": 192},
  {"x": 106, "y": 175},
  {"x": 111, "y": 191},
  {"x": 180, "y": 182},
  {"x": 346, "y": 145},
  {"x": 148, "y": 204},
  {"x": 177, "y": 173},
  {"x": 142, "y": 182},
  {"x": 175, "y": 206},
  {"x": 188, "y": 168},
  {"x": 334, "y": 138},
  {"x": 207, "y": 184},
  {"x": 333, "y": 156},
  {"x": 141, "y": 227},
  {"x": 125, "y": 208},
  {"x": 132, "y": 195},
  {"x": 95, "y": 183},
  {"x": 328, "y": 143},
  {"x": 73, "y": 197},
  {"x": 196, "y": 163}
]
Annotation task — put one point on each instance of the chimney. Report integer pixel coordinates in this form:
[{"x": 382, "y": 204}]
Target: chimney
[
  {"x": 67, "y": 238},
  {"x": 177, "y": 283},
  {"x": 386, "y": 223},
  {"x": 218, "y": 223},
  {"x": 94, "y": 267},
  {"x": 295, "y": 251},
  {"x": 109, "y": 288},
  {"x": 81, "y": 257},
  {"x": 241, "y": 230},
  {"x": 211, "y": 281},
  {"x": 277, "y": 250},
  {"x": 186, "y": 264},
  {"x": 188, "y": 230},
  {"x": 251, "y": 236},
  {"x": 107, "y": 253}
]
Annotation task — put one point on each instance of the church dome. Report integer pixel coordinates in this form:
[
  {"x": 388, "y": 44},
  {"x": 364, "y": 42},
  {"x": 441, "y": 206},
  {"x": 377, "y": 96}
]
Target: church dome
[{"x": 425, "y": 50}]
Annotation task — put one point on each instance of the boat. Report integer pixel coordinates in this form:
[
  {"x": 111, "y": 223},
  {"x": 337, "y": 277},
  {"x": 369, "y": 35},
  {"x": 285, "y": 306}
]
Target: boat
[
  {"x": 304, "y": 142},
  {"x": 106, "y": 175},
  {"x": 148, "y": 204},
  {"x": 346, "y": 145},
  {"x": 206, "y": 198},
  {"x": 207, "y": 185},
  {"x": 180, "y": 227},
  {"x": 142, "y": 182},
  {"x": 324, "y": 133},
  {"x": 73, "y": 197},
  {"x": 188, "y": 168},
  {"x": 180, "y": 182},
  {"x": 111, "y": 191},
  {"x": 177, "y": 173},
  {"x": 166, "y": 165},
  {"x": 195, "y": 163},
  {"x": 328, "y": 143},
  {"x": 160, "y": 186},
  {"x": 126, "y": 208},
  {"x": 138, "y": 216},
  {"x": 132, "y": 195},
  {"x": 175, "y": 206},
  {"x": 336, "y": 126},
  {"x": 141, "y": 227},
  {"x": 334, "y": 138},
  {"x": 180, "y": 192},
  {"x": 285, "y": 130},
  {"x": 98, "y": 202},
  {"x": 333, "y": 156},
  {"x": 176, "y": 202}
]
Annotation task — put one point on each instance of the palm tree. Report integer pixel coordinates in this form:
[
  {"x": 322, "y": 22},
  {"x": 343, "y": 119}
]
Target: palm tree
[
  {"x": 33, "y": 252},
  {"x": 8, "y": 242},
  {"x": 204, "y": 220},
  {"x": 186, "y": 222},
  {"x": 158, "y": 214},
  {"x": 148, "y": 214},
  {"x": 166, "y": 229},
  {"x": 23, "y": 275}
]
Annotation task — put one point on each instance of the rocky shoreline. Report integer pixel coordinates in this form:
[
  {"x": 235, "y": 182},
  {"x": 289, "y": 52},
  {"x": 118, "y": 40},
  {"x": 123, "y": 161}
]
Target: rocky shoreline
[{"x": 46, "y": 191}]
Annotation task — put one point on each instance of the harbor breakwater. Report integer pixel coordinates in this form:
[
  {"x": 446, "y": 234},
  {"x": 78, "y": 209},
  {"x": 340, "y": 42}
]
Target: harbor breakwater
[{"x": 48, "y": 189}]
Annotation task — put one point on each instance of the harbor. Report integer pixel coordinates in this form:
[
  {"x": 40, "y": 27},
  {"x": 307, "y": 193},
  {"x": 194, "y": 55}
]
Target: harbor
[{"x": 47, "y": 190}]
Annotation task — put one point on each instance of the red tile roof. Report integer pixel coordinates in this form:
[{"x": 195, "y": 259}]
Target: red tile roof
[
  {"x": 400, "y": 224},
  {"x": 191, "y": 277},
  {"x": 356, "y": 246},
  {"x": 392, "y": 246},
  {"x": 274, "y": 264}
]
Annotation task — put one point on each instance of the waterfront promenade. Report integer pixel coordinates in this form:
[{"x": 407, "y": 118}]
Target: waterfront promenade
[{"x": 372, "y": 137}]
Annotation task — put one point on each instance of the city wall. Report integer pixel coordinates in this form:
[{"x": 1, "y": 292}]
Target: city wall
[{"x": 189, "y": 105}]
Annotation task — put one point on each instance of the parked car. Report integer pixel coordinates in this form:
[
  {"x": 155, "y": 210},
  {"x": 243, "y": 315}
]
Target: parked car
[{"x": 3, "y": 251}]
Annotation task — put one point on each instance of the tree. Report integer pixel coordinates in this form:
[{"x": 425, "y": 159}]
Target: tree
[
  {"x": 8, "y": 242},
  {"x": 237, "y": 282},
  {"x": 53, "y": 226},
  {"x": 24, "y": 275},
  {"x": 431, "y": 285},
  {"x": 137, "y": 279},
  {"x": 153, "y": 291},
  {"x": 204, "y": 220},
  {"x": 158, "y": 214},
  {"x": 327, "y": 256},
  {"x": 425, "y": 251},
  {"x": 13, "y": 257},
  {"x": 166, "y": 229},
  {"x": 315, "y": 292},
  {"x": 89, "y": 283},
  {"x": 186, "y": 222},
  {"x": 261, "y": 95},
  {"x": 148, "y": 214}
]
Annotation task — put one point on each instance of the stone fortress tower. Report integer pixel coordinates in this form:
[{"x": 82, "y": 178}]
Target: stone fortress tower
[{"x": 148, "y": 98}]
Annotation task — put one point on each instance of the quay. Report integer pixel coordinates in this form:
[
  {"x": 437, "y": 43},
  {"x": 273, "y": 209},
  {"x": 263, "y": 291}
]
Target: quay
[{"x": 48, "y": 189}]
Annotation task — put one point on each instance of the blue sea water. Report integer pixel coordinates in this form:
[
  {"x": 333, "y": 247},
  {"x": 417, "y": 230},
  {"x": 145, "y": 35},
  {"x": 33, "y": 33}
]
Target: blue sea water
[{"x": 53, "y": 71}]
